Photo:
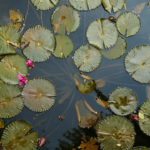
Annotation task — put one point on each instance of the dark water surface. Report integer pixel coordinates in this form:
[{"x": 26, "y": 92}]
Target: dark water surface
[{"x": 60, "y": 72}]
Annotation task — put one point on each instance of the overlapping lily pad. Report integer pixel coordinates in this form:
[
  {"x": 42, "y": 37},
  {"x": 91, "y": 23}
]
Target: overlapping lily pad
[
  {"x": 118, "y": 50},
  {"x": 16, "y": 136},
  {"x": 64, "y": 46},
  {"x": 44, "y": 4},
  {"x": 38, "y": 94},
  {"x": 8, "y": 37},
  {"x": 140, "y": 148},
  {"x": 87, "y": 59},
  {"x": 137, "y": 63},
  {"x": 123, "y": 101},
  {"x": 116, "y": 5},
  {"x": 102, "y": 31},
  {"x": 129, "y": 23},
  {"x": 116, "y": 133},
  {"x": 85, "y": 4},
  {"x": 38, "y": 43},
  {"x": 10, "y": 66},
  {"x": 65, "y": 19}
]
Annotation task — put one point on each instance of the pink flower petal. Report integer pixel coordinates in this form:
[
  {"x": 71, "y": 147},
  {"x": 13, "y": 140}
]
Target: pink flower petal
[
  {"x": 42, "y": 141},
  {"x": 21, "y": 82},
  {"x": 20, "y": 76}
]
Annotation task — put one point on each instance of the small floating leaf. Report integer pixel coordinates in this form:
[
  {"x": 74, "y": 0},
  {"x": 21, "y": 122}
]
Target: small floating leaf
[
  {"x": 102, "y": 103},
  {"x": 102, "y": 31},
  {"x": 38, "y": 42},
  {"x": 141, "y": 116},
  {"x": 128, "y": 22},
  {"x": 1, "y": 123},
  {"x": 16, "y": 136},
  {"x": 37, "y": 94},
  {"x": 64, "y": 46},
  {"x": 115, "y": 131},
  {"x": 123, "y": 101},
  {"x": 88, "y": 59}
]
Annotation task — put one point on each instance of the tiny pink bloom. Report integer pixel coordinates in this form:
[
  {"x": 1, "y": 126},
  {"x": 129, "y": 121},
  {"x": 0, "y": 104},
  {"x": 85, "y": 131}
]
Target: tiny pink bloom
[
  {"x": 134, "y": 117},
  {"x": 42, "y": 141},
  {"x": 20, "y": 76},
  {"x": 23, "y": 79},
  {"x": 21, "y": 82},
  {"x": 30, "y": 64}
]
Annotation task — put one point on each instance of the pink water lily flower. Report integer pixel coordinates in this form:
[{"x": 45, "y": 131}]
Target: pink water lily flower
[
  {"x": 134, "y": 117},
  {"x": 23, "y": 79},
  {"x": 30, "y": 64},
  {"x": 42, "y": 141}
]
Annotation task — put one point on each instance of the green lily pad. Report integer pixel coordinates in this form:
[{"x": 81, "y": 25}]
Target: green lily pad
[
  {"x": 88, "y": 59},
  {"x": 116, "y": 5},
  {"x": 37, "y": 94},
  {"x": 65, "y": 18},
  {"x": 144, "y": 117},
  {"x": 2, "y": 125},
  {"x": 102, "y": 31},
  {"x": 123, "y": 101},
  {"x": 64, "y": 46},
  {"x": 16, "y": 136},
  {"x": 137, "y": 63},
  {"x": 44, "y": 4},
  {"x": 85, "y": 4},
  {"x": 38, "y": 43},
  {"x": 118, "y": 50},
  {"x": 129, "y": 23},
  {"x": 10, "y": 104},
  {"x": 140, "y": 148},
  {"x": 116, "y": 133},
  {"x": 10, "y": 66},
  {"x": 8, "y": 37}
]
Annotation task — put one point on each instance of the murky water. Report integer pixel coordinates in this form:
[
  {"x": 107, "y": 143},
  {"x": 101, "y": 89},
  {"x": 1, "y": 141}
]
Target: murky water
[{"x": 61, "y": 73}]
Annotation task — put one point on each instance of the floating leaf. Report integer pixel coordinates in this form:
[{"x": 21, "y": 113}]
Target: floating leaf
[
  {"x": 37, "y": 94},
  {"x": 115, "y": 131},
  {"x": 123, "y": 101},
  {"x": 102, "y": 103},
  {"x": 128, "y": 22},
  {"x": 139, "y": 8},
  {"x": 88, "y": 59},
  {"x": 64, "y": 46},
  {"x": 118, "y": 50},
  {"x": 137, "y": 63},
  {"x": 8, "y": 37},
  {"x": 16, "y": 136},
  {"x": 102, "y": 31},
  {"x": 65, "y": 18},
  {"x": 85, "y": 4},
  {"x": 140, "y": 148},
  {"x": 85, "y": 77},
  {"x": 10, "y": 66},
  {"x": 38, "y": 42},
  {"x": 1, "y": 123}
]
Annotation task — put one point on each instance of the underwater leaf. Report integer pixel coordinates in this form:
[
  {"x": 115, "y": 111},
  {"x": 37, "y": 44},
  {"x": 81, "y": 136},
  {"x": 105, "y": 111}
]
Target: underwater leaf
[
  {"x": 8, "y": 37},
  {"x": 16, "y": 136},
  {"x": 11, "y": 66},
  {"x": 38, "y": 43},
  {"x": 102, "y": 31},
  {"x": 38, "y": 94},
  {"x": 10, "y": 104},
  {"x": 118, "y": 50},
  {"x": 128, "y": 22},
  {"x": 123, "y": 101},
  {"x": 102, "y": 103},
  {"x": 96, "y": 126},
  {"x": 148, "y": 91},
  {"x": 140, "y": 148},
  {"x": 137, "y": 63},
  {"x": 1, "y": 123},
  {"x": 64, "y": 46},
  {"x": 139, "y": 8},
  {"x": 85, "y": 4},
  {"x": 88, "y": 59},
  {"x": 100, "y": 83},
  {"x": 115, "y": 131},
  {"x": 85, "y": 77}
]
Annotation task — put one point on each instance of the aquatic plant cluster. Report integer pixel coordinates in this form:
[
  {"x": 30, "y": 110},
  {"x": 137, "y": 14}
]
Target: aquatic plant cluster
[{"x": 38, "y": 94}]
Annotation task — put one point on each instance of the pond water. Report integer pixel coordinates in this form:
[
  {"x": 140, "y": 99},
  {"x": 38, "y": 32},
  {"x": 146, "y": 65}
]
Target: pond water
[{"x": 66, "y": 134}]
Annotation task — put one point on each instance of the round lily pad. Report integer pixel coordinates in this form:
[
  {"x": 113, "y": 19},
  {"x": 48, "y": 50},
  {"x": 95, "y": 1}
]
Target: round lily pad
[
  {"x": 38, "y": 43},
  {"x": 144, "y": 117},
  {"x": 123, "y": 101},
  {"x": 37, "y": 94},
  {"x": 64, "y": 46},
  {"x": 102, "y": 31},
  {"x": 10, "y": 104},
  {"x": 87, "y": 59},
  {"x": 85, "y": 4},
  {"x": 16, "y": 136},
  {"x": 11, "y": 66},
  {"x": 137, "y": 63},
  {"x": 116, "y": 133},
  {"x": 140, "y": 148},
  {"x": 116, "y": 5},
  {"x": 129, "y": 23},
  {"x": 8, "y": 37},
  {"x": 65, "y": 19},
  {"x": 44, "y": 4},
  {"x": 118, "y": 50}
]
